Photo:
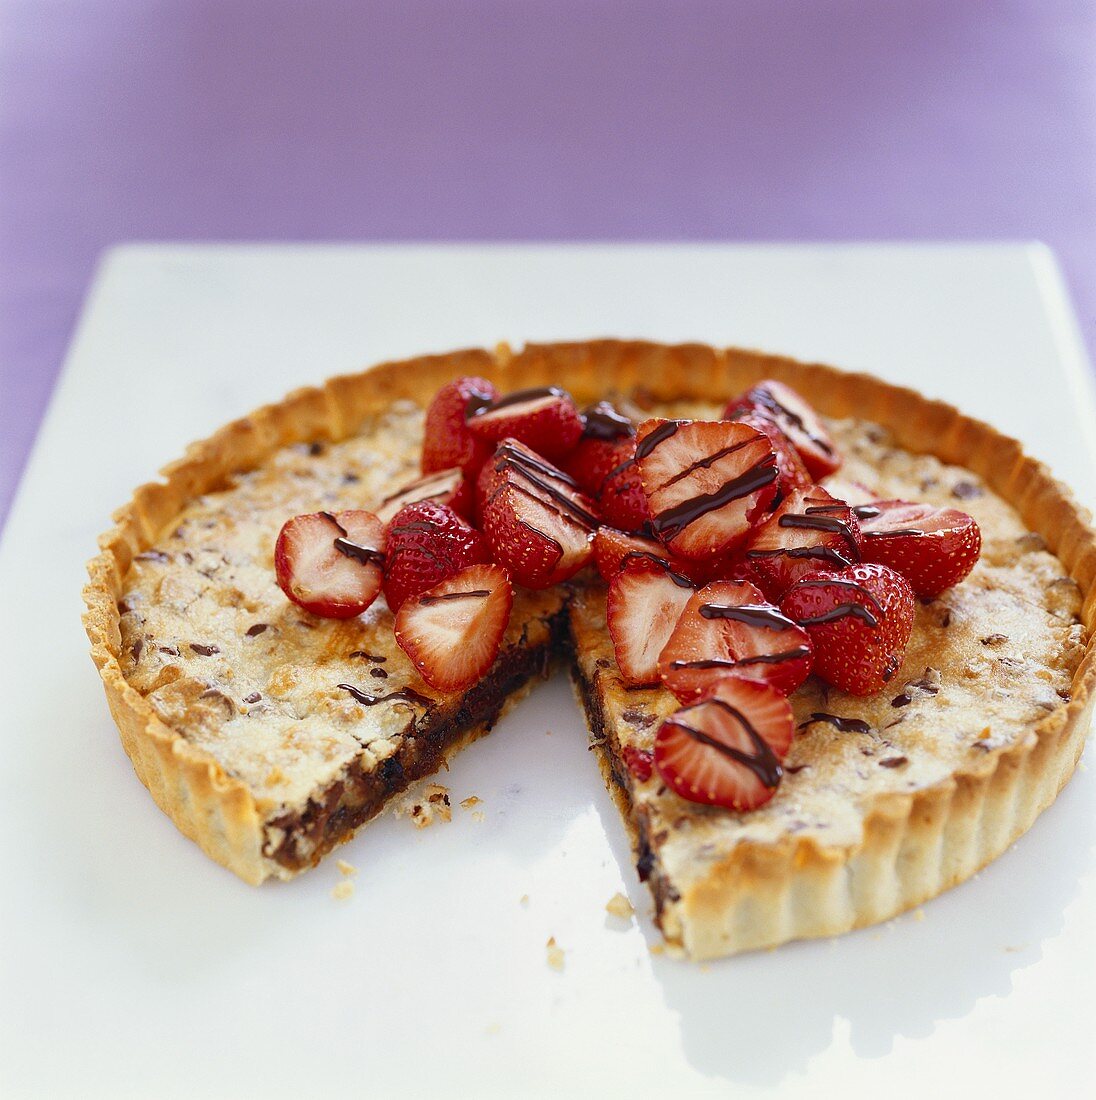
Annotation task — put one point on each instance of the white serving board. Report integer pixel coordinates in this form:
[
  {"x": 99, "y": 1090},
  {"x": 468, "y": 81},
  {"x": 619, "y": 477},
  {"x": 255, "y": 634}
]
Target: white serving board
[{"x": 133, "y": 966}]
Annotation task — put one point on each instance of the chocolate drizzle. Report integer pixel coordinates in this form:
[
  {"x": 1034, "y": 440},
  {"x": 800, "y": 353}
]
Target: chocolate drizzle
[
  {"x": 474, "y": 594},
  {"x": 845, "y": 725},
  {"x": 367, "y": 555},
  {"x": 674, "y": 520},
  {"x": 645, "y": 555},
  {"x": 477, "y": 407},
  {"x": 404, "y": 695},
  {"x": 763, "y": 396},
  {"x": 659, "y": 435},
  {"x": 762, "y": 761},
  {"x": 768, "y": 618},
  {"x": 532, "y": 470},
  {"x": 603, "y": 421},
  {"x": 866, "y": 511}
]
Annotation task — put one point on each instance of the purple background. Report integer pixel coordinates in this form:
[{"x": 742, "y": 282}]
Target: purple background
[{"x": 418, "y": 119}]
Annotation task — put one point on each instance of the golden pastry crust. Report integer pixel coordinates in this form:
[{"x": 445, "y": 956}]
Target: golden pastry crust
[{"x": 914, "y": 844}]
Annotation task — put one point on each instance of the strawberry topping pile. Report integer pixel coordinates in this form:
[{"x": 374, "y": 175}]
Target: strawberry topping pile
[{"x": 732, "y": 573}]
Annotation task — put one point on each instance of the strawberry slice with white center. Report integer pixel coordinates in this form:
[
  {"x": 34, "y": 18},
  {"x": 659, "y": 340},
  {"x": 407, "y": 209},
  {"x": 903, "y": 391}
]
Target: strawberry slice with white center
[
  {"x": 445, "y": 487},
  {"x": 544, "y": 419},
  {"x": 795, "y": 418},
  {"x": 330, "y": 563},
  {"x": 729, "y": 627},
  {"x": 537, "y": 522},
  {"x": 933, "y": 548},
  {"x": 727, "y": 749},
  {"x": 706, "y": 482},
  {"x": 644, "y": 602},
  {"x": 809, "y": 531},
  {"x": 453, "y": 631},
  {"x": 859, "y": 619}
]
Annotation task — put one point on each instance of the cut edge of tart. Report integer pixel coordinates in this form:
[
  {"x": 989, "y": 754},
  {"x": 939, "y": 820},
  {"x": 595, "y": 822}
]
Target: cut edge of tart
[{"x": 913, "y": 845}]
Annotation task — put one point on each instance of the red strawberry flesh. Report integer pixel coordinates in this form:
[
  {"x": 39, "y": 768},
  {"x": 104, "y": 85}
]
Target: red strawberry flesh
[
  {"x": 809, "y": 531},
  {"x": 426, "y": 543},
  {"x": 859, "y": 620},
  {"x": 447, "y": 442},
  {"x": 795, "y": 417},
  {"x": 726, "y": 749},
  {"x": 933, "y": 548},
  {"x": 537, "y": 522},
  {"x": 545, "y": 419}
]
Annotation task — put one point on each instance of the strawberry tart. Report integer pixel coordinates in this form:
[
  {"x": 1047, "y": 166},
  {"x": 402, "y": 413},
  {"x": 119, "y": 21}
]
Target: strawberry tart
[{"x": 832, "y": 639}]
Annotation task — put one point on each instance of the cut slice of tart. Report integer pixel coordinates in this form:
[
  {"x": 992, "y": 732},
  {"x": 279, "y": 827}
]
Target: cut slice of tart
[{"x": 270, "y": 734}]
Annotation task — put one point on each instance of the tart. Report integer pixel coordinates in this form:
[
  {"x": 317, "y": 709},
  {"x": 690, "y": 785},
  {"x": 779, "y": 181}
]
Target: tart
[{"x": 269, "y": 733}]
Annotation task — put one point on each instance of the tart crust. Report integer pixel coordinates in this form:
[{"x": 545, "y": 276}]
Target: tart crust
[{"x": 914, "y": 845}]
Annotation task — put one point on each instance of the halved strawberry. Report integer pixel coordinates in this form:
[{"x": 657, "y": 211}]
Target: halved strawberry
[
  {"x": 799, "y": 422},
  {"x": 706, "y": 482},
  {"x": 537, "y": 522},
  {"x": 809, "y": 531},
  {"x": 644, "y": 602},
  {"x": 606, "y": 442},
  {"x": 445, "y": 487},
  {"x": 453, "y": 631},
  {"x": 447, "y": 442},
  {"x": 612, "y": 548},
  {"x": 622, "y": 501},
  {"x": 792, "y": 474},
  {"x": 545, "y": 419},
  {"x": 728, "y": 627},
  {"x": 330, "y": 563},
  {"x": 933, "y": 548},
  {"x": 726, "y": 750},
  {"x": 427, "y": 542},
  {"x": 859, "y": 620}
]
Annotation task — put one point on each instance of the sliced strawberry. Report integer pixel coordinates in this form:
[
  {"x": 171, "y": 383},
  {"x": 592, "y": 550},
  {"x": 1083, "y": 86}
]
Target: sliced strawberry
[
  {"x": 854, "y": 493},
  {"x": 612, "y": 548},
  {"x": 426, "y": 543},
  {"x": 644, "y": 602},
  {"x": 622, "y": 501},
  {"x": 639, "y": 762},
  {"x": 799, "y": 422},
  {"x": 544, "y": 419},
  {"x": 706, "y": 482},
  {"x": 453, "y": 631},
  {"x": 330, "y": 563},
  {"x": 859, "y": 620},
  {"x": 445, "y": 487},
  {"x": 933, "y": 548},
  {"x": 809, "y": 531},
  {"x": 726, "y": 750},
  {"x": 792, "y": 474},
  {"x": 728, "y": 627},
  {"x": 447, "y": 441},
  {"x": 537, "y": 522}
]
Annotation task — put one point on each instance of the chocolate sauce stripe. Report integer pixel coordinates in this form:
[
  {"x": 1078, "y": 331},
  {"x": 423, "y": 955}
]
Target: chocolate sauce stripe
[
  {"x": 672, "y": 521},
  {"x": 762, "y": 762},
  {"x": 476, "y": 594},
  {"x": 518, "y": 397},
  {"x": 709, "y": 461},
  {"x": 404, "y": 695}
]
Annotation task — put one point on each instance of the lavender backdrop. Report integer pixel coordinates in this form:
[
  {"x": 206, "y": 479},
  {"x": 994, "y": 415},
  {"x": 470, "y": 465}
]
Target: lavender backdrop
[{"x": 496, "y": 119}]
